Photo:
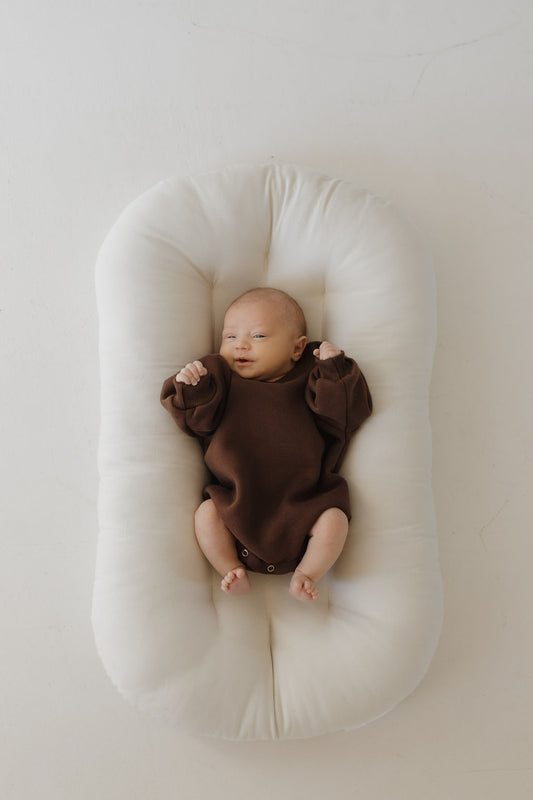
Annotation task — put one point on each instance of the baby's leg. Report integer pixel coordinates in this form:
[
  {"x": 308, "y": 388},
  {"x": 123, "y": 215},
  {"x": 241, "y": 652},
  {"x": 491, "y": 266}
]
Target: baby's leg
[
  {"x": 218, "y": 546},
  {"x": 326, "y": 541}
]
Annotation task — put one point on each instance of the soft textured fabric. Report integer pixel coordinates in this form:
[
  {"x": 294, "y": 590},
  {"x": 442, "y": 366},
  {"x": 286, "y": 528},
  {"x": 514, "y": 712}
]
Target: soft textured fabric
[
  {"x": 263, "y": 665},
  {"x": 274, "y": 449}
]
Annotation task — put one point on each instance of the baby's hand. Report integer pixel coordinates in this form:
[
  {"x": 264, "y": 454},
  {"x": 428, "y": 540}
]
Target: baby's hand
[
  {"x": 326, "y": 350},
  {"x": 191, "y": 373}
]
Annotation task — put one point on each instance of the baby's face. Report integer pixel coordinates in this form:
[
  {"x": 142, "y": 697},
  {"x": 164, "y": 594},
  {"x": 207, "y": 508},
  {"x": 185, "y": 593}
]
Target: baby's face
[{"x": 259, "y": 342}]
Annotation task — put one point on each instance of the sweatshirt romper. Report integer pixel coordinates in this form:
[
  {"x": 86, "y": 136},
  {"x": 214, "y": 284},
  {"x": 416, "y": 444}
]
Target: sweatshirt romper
[{"x": 273, "y": 449}]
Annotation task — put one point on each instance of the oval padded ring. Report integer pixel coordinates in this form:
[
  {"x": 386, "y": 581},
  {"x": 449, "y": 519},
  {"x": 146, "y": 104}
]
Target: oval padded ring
[{"x": 263, "y": 666}]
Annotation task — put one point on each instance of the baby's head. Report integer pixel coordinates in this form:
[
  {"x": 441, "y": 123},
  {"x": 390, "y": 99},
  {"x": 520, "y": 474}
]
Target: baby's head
[{"x": 264, "y": 334}]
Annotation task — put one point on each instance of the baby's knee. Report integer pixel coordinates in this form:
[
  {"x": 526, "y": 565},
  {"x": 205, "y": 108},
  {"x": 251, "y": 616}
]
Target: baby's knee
[
  {"x": 205, "y": 514},
  {"x": 337, "y": 517},
  {"x": 340, "y": 523},
  {"x": 332, "y": 523}
]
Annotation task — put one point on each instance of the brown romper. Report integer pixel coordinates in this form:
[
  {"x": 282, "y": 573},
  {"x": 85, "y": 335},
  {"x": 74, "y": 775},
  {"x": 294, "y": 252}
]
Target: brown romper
[{"x": 273, "y": 449}]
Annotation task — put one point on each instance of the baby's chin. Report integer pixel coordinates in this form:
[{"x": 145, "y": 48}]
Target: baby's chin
[{"x": 247, "y": 369}]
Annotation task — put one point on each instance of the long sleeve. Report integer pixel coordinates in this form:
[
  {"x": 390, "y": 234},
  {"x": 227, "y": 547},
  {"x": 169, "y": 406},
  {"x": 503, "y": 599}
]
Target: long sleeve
[
  {"x": 197, "y": 410},
  {"x": 338, "y": 395}
]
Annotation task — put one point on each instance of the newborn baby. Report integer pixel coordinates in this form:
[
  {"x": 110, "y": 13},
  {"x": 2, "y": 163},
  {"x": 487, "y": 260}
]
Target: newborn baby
[{"x": 273, "y": 415}]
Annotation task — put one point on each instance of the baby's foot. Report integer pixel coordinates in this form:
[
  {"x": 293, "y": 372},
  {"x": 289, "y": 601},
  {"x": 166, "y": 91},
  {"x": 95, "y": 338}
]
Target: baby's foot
[
  {"x": 302, "y": 587},
  {"x": 236, "y": 582}
]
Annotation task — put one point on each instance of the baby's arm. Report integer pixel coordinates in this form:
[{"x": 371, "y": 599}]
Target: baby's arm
[
  {"x": 337, "y": 391},
  {"x": 195, "y": 397}
]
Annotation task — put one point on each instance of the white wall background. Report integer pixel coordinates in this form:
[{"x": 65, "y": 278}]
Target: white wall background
[{"x": 424, "y": 101}]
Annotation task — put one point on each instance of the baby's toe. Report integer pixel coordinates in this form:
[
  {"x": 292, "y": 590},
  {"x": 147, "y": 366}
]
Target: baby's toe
[{"x": 311, "y": 589}]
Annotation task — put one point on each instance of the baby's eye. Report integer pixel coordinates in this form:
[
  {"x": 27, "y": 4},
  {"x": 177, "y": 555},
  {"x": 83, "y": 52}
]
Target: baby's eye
[
  {"x": 258, "y": 336},
  {"x": 230, "y": 336}
]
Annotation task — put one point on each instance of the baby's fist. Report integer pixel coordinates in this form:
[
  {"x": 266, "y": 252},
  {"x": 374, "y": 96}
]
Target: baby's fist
[
  {"x": 326, "y": 350},
  {"x": 191, "y": 373}
]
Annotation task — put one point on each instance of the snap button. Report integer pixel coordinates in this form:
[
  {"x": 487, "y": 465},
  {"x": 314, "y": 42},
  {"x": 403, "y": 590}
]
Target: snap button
[
  {"x": 244, "y": 553},
  {"x": 271, "y": 568}
]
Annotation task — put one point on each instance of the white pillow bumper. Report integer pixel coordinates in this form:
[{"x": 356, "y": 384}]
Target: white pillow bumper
[{"x": 263, "y": 666}]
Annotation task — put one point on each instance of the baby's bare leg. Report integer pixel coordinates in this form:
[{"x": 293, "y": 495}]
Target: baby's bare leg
[
  {"x": 327, "y": 538},
  {"x": 218, "y": 546}
]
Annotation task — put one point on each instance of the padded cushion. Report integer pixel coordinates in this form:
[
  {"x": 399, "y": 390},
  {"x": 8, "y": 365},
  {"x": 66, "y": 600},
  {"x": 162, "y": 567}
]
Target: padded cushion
[{"x": 265, "y": 665}]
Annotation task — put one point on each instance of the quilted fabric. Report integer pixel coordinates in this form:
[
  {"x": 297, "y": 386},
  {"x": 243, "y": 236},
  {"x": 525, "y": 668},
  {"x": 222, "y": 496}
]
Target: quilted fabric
[{"x": 264, "y": 665}]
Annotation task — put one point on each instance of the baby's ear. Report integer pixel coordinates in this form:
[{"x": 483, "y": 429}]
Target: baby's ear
[{"x": 299, "y": 347}]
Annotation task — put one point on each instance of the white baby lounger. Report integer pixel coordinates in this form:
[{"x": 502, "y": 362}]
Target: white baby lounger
[{"x": 264, "y": 665}]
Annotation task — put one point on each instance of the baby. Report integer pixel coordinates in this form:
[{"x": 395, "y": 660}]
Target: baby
[{"x": 274, "y": 416}]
